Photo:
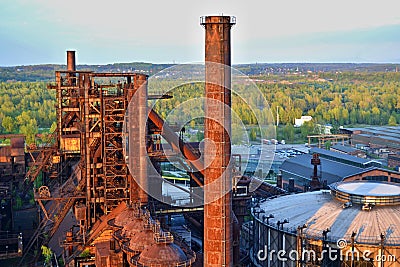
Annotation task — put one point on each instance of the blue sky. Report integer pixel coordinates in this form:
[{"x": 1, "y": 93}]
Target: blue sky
[{"x": 40, "y": 31}]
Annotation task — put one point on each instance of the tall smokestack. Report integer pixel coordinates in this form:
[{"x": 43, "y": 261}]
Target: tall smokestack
[
  {"x": 71, "y": 61},
  {"x": 137, "y": 143},
  {"x": 217, "y": 150}
]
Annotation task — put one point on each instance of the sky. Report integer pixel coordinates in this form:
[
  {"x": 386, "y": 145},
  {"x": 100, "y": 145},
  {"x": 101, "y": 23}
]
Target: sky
[{"x": 103, "y": 32}]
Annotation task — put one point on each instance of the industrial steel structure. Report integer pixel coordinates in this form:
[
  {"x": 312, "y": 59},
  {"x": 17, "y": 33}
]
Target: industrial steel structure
[
  {"x": 93, "y": 176},
  {"x": 97, "y": 174}
]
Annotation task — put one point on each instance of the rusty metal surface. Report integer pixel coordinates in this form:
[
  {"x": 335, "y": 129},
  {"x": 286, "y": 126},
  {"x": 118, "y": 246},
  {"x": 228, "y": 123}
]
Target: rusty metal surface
[
  {"x": 90, "y": 116},
  {"x": 217, "y": 213},
  {"x": 136, "y": 120},
  {"x": 71, "y": 66},
  {"x": 80, "y": 212},
  {"x": 132, "y": 227},
  {"x": 124, "y": 217},
  {"x": 141, "y": 240},
  {"x": 5, "y": 154},
  {"x": 163, "y": 255},
  {"x": 17, "y": 142},
  {"x": 188, "y": 152}
]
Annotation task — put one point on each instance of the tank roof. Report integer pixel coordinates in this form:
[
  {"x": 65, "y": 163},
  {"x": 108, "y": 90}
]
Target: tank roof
[
  {"x": 319, "y": 211},
  {"x": 125, "y": 217},
  {"x": 367, "y": 192},
  {"x": 369, "y": 188},
  {"x": 162, "y": 255},
  {"x": 141, "y": 240}
]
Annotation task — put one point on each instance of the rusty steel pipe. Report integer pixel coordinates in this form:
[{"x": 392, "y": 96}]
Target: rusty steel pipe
[{"x": 173, "y": 139}]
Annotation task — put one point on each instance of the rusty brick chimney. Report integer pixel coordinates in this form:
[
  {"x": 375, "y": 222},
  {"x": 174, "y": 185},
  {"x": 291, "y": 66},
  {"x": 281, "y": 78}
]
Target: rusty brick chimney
[
  {"x": 217, "y": 151},
  {"x": 71, "y": 61}
]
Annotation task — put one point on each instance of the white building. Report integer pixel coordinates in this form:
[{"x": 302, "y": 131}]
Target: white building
[{"x": 301, "y": 121}]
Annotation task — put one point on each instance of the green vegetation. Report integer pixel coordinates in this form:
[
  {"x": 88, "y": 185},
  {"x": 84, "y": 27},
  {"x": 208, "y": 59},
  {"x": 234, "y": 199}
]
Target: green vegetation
[
  {"x": 26, "y": 107},
  {"x": 47, "y": 254},
  {"x": 85, "y": 253},
  {"x": 338, "y": 98}
]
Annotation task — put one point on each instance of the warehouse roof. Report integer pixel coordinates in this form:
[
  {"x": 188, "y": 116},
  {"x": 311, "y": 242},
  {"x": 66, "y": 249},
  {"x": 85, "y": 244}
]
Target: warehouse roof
[
  {"x": 331, "y": 171},
  {"x": 346, "y": 149},
  {"x": 340, "y": 157}
]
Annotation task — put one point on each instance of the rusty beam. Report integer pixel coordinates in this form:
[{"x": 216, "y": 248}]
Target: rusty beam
[
  {"x": 114, "y": 74},
  {"x": 173, "y": 139}
]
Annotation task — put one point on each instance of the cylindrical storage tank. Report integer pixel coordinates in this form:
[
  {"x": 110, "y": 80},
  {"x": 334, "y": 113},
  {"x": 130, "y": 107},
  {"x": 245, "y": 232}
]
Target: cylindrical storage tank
[
  {"x": 125, "y": 217},
  {"x": 132, "y": 228},
  {"x": 141, "y": 240},
  {"x": 356, "y": 224},
  {"x": 162, "y": 255}
]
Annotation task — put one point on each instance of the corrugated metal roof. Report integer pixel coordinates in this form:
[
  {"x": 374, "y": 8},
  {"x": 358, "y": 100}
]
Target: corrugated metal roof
[
  {"x": 320, "y": 211},
  {"x": 341, "y": 156},
  {"x": 385, "y": 133},
  {"x": 331, "y": 171},
  {"x": 347, "y": 149}
]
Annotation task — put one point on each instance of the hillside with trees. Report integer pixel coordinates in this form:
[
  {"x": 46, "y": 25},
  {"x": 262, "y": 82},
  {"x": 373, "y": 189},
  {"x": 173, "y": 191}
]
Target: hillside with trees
[
  {"x": 27, "y": 108},
  {"x": 340, "y": 98}
]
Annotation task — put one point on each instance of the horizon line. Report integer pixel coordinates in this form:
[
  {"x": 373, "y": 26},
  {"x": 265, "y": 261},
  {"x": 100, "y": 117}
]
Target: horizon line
[{"x": 183, "y": 63}]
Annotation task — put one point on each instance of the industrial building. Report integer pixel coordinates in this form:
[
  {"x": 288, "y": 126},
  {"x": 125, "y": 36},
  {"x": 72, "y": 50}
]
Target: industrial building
[
  {"x": 382, "y": 141},
  {"x": 333, "y": 167},
  {"x": 12, "y": 174},
  {"x": 346, "y": 158},
  {"x": 375, "y": 137},
  {"x": 12, "y": 160},
  {"x": 101, "y": 174},
  {"x": 354, "y": 223},
  {"x": 348, "y": 150},
  {"x": 102, "y": 171}
]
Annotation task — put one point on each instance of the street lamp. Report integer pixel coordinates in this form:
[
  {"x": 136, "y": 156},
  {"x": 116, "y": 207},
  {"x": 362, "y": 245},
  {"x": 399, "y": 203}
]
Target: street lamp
[
  {"x": 324, "y": 245},
  {"x": 325, "y": 233},
  {"x": 270, "y": 216},
  {"x": 258, "y": 211},
  {"x": 300, "y": 244},
  {"x": 279, "y": 223},
  {"x": 353, "y": 236}
]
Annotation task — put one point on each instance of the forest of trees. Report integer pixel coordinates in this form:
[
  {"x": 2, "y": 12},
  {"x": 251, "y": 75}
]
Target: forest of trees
[
  {"x": 27, "y": 108},
  {"x": 337, "y": 98}
]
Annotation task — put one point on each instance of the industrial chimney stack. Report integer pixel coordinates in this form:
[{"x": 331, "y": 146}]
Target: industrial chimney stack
[
  {"x": 71, "y": 61},
  {"x": 217, "y": 150}
]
